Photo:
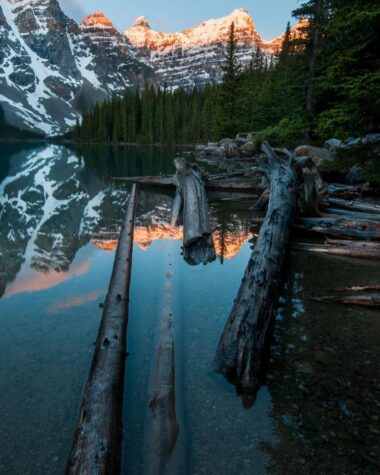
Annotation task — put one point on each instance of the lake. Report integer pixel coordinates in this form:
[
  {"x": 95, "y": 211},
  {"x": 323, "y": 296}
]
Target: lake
[{"x": 60, "y": 217}]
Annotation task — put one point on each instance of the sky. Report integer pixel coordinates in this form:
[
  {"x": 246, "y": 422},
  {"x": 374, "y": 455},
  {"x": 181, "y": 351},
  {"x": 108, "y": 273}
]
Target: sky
[{"x": 270, "y": 16}]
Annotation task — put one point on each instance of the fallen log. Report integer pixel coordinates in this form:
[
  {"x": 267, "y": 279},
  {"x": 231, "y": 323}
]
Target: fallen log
[
  {"x": 361, "y": 251},
  {"x": 367, "y": 288},
  {"x": 162, "y": 180},
  {"x": 97, "y": 441},
  {"x": 341, "y": 227},
  {"x": 348, "y": 191},
  {"x": 353, "y": 205},
  {"x": 217, "y": 182},
  {"x": 242, "y": 348},
  {"x": 365, "y": 300},
  {"x": 191, "y": 201},
  {"x": 165, "y": 454},
  {"x": 354, "y": 215},
  {"x": 347, "y": 242}
]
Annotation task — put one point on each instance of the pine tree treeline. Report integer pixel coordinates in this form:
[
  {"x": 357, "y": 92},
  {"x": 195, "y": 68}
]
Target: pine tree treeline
[
  {"x": 151, "y": 116},
  {"x": 325, "y": 82}
]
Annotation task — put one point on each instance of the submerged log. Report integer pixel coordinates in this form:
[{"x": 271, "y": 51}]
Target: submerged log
[
  {"x": 244, "y": 343},
  {"x": 191, "y": 200},
  {"x": 366, "y": 288},
  {"x": 165, "y": 453},
  {"x": 365, "y": 300},
  {"x": 359, "y": 249},
  {"x": 97, "y": 441}
]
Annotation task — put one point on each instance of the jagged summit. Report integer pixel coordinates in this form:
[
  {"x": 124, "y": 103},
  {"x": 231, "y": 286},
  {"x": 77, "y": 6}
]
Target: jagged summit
[
  {"x": 194, "y": 56},
  {"x": 97, "y": 20},
  {"x": 141, "y": 22},
  {"x": 91, "y": 61}
]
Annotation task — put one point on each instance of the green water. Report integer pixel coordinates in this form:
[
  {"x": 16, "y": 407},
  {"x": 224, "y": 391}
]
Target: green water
[{"x": 60, "y": 215}]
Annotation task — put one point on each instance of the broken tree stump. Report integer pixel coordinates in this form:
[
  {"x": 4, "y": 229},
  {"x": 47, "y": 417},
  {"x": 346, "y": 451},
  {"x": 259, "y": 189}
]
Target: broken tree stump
[
  {"x": 191, "y": 203},
  {"x": 97, "y": 441},
  {"x": 240, "y": 355}
]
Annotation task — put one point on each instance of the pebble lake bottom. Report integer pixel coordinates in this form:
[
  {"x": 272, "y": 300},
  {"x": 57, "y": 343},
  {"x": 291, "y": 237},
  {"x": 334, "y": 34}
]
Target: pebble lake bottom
[{"x": 319, "y": 409}]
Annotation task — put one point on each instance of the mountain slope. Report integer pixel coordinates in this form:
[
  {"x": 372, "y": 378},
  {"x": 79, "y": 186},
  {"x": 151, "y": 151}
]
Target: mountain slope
[
  {"x": 51, "y": 69},
  {"x": 194, "y": 56}
]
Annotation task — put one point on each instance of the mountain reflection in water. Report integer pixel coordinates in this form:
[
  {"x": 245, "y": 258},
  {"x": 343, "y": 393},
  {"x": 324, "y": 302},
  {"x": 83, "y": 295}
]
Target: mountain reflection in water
[
  {"x": 52, "y": 205},
  {"x": 59, "y": 223}
]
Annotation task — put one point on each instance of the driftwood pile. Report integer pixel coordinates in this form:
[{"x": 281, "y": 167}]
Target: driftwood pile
[{"x": 295, "y": 195}]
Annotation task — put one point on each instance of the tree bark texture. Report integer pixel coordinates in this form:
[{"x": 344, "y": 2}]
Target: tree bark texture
[
  {"x": 97, "y": 441},
  {"x": 242, "y": 347}
]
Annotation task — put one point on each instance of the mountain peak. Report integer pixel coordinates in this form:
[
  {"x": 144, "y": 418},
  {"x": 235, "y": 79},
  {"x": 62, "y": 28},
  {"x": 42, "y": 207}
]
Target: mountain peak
[
  {"x": 240, "y": 12},
  {"x": 142, "y": 23},
  {"x": 97, "y": 20}
]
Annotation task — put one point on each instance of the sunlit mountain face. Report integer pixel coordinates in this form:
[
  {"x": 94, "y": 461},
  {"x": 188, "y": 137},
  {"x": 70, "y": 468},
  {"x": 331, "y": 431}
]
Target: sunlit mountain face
[
  {"x": 194, "y": 56},
  {"x": 53, "y": 69},
  {"x": 53, "y": 202}
]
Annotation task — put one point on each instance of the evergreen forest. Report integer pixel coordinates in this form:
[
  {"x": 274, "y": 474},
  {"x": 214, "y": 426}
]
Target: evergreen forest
[{"x": 323, "y": 83}]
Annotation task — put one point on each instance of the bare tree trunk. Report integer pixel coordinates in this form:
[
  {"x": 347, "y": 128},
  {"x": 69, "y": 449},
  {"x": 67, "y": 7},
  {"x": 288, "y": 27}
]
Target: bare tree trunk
[
  {"x": 241, "y": 351},
  {"x": 97, "y": 441}
]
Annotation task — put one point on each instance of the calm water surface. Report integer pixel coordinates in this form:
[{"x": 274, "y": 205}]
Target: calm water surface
[{"x": 60, "y": 216}]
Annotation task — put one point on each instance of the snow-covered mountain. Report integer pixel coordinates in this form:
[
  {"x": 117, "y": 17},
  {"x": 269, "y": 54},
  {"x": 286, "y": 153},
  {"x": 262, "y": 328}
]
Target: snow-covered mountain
[
  {"x": 51, "y": 69},
  {"x": 194, "y": 56}
]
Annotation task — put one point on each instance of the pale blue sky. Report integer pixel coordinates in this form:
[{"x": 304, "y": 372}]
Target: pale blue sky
[{"x": 269, "y": 16}]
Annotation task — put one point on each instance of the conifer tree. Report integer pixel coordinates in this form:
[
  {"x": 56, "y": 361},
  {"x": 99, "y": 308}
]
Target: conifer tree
[{"x": 228, "y": 114}]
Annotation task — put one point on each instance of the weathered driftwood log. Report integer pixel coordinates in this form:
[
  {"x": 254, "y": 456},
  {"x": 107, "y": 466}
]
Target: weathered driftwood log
[
  {"x": 164, "y": 454},
  {"x": 353, "y": 215},
  {"x": 222, "y": 182},
  {"x": 365, "y": 300},
  {"x": 359, "y": 249},
  {"x": 191, "y": 201},
  {"x": 243, "y": 345},
  {"x": 353, "y": 205},
  {"x": 341, "y": 227},
  {"x": 366, "y": 288},
  {"x": 97, "y": 441},
  {"x": 348, "y": 191}
]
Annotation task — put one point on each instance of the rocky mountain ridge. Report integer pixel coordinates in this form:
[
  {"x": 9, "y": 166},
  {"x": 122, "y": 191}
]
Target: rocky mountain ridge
[
  {"x": 194, "y": 56},
  {"x": 52, "y": 69}
]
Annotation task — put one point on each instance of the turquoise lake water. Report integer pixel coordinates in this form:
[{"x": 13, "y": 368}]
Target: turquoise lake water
[{"x": 60, "y": 218}]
